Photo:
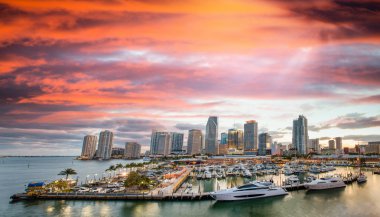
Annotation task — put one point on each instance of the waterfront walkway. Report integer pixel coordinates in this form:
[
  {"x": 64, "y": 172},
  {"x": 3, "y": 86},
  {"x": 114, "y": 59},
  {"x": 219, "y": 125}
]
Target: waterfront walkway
[
  {"x": 111, "y": 196},
  {"x": 161, "y": 194}
]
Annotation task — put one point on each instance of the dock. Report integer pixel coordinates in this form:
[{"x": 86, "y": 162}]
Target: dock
[
  {"x": 152, "y": 196},
  {"x": 116, "y": 196}
]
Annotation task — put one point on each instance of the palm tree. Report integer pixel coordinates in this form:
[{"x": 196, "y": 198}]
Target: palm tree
[
  {"x": 111, "y": 169},
  {"x": 118, "y": 166},
  {"x": 67, "y": 172}
]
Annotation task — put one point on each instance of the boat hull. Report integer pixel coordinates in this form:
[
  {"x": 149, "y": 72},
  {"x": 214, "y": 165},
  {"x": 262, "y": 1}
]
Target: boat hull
[
  {"x": 249, "y": 195},
  {"x": 325, "y": 186}
]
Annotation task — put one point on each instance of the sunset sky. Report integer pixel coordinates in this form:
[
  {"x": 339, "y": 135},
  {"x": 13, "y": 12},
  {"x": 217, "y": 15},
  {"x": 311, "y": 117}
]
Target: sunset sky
[{"x": 70, "y": 68}]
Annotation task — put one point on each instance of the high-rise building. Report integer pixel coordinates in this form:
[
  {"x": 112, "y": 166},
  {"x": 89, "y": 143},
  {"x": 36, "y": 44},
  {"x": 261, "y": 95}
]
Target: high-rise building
[
  {"x": 373, "y": 148},
  {"x": 89, "y": 146},
  {"x": 223, "y": 149},
  {"x": 346, "y": 150},
  {"x": 194, "y": 142},
  {"x": 250, "y": 136},
  {"x": 282, "y": 149},
  {"x": 223, "y": 138},
  {"x": 105, "y": 145},
  {"x": 300, "y": 135},
  {"x": 276, "y": 148},
  {"x": 235, "y": 139},
  {"x": 265, "y": 141},
  {"x": 338, "y": 143},
  {"x": 117, "y": 152},
  {"x": 211, "y": 138},
  {"x": 314, "y": 146},
  {"x": 160, "y": 143},
  {"x": 132, "y": 150},
  {"x": 177, "y": 142},
  {"x": 331, "y": 144}
]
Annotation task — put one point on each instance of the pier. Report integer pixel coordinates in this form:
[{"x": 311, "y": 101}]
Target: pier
[
  {"x": 147, "y": 196},
  {"x": 107, "y": 196},
  {"x": 179, "y": 189}
]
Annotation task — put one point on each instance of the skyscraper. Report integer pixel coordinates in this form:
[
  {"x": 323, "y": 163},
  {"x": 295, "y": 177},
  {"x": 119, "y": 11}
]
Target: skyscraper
[
  {"x": 331, "y": 144},
  {"x": 211, "y": 140},
  {"x": 160, "y": 143},
  {"x": 300, "y": 135},
  {"x": 177, "y": 142},
  {"x": 223, "y": 138},
  {"x": 132, "y": 150},
  {"x": 105, "y": 145},
  {"x": 235, "y": 139},
  {"x": 250, "y": 136},
  {"x": 314, "y": 146},
  {"x": 194, "y": 142},
  {"x": 89, "y": 146},
  {"x": 265, "y": 141},
  {"x": 338, "y": 143}
]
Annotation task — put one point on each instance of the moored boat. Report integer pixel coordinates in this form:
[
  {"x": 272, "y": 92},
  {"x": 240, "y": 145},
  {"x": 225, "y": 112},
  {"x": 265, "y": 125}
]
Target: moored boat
[
  {"x": 326, "y": 183},
  {"x": 252, "y": 190},
  {"x": 292, "y": 180},
  {"x": 362, "y": 178}
]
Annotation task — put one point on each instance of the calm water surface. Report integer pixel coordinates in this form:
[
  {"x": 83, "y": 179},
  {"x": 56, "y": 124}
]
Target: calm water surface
[{"x": 354, "y": 200}]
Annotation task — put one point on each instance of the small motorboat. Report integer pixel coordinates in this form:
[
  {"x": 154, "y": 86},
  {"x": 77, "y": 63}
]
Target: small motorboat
[
  {"x": 362, "y": 178},
  {"x": 292, "y": 180}
]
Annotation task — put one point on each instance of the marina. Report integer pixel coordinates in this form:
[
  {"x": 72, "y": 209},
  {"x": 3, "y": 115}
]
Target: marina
[
  {"x": 185, "y": 182},
  {"x": 346, "y": 201}
]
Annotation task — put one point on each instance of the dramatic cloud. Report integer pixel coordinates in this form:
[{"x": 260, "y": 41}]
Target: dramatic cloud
[
  {"x": 187, "y": 126},
  {"x": 70, "y": 68},
  {"x": 349, "y": 19},
  {"x": 369, "y": 99},
  {"x": 325, "y": 138},
  {"x": 277, "y": 134},
  {"x": 363, "y": 138},
  {"x": 349, "y": 121}
]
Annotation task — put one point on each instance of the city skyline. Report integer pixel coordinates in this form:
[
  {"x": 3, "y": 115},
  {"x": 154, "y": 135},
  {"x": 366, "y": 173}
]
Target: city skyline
[
  {"x": 235, "y": 139},
  {"x": 75, "y": 68}
]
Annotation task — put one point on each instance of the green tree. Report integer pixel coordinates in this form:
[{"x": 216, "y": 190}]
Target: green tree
[
  {"x": 135, "y": 179},
  {"x": 118, "y": 166},
  {"x": 67, "y": 172},
  {"x": 111, "y": 168}
]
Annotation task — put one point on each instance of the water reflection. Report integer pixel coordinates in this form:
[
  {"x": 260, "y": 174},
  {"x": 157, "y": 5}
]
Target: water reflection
[
  {"x": 354, "y": 200},
  {"x": 327, "y": 194},
  {"x": 254, "y": 207},
  {"x": 252, "y": 202},
  {"x": 87, "y": 211},
  {"x": 139, "y": 208}
]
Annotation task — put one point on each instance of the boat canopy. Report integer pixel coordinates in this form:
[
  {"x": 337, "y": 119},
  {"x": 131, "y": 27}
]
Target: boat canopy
[{"x": 36, "y": 184}]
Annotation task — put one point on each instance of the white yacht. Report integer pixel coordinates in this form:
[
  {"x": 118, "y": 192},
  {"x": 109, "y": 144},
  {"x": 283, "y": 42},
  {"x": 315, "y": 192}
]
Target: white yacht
[
  {"x": 325, "y": 183},
  {"x": 362, "y": 178},
  {"x": 247, "y": 174},
  {"x": 314, "y": 169},
  {"x": 252, "y": 190},
  {"x": 146, "y": 159},
  {"x": 230, "y": 171},
  {"x": 207, "y": 175},
  {"x": 214, "y": 174},
  {"x": 289, "y": 172},
  {"x": 292, "y": 180},
  {"x": 199, "y": 176}
]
